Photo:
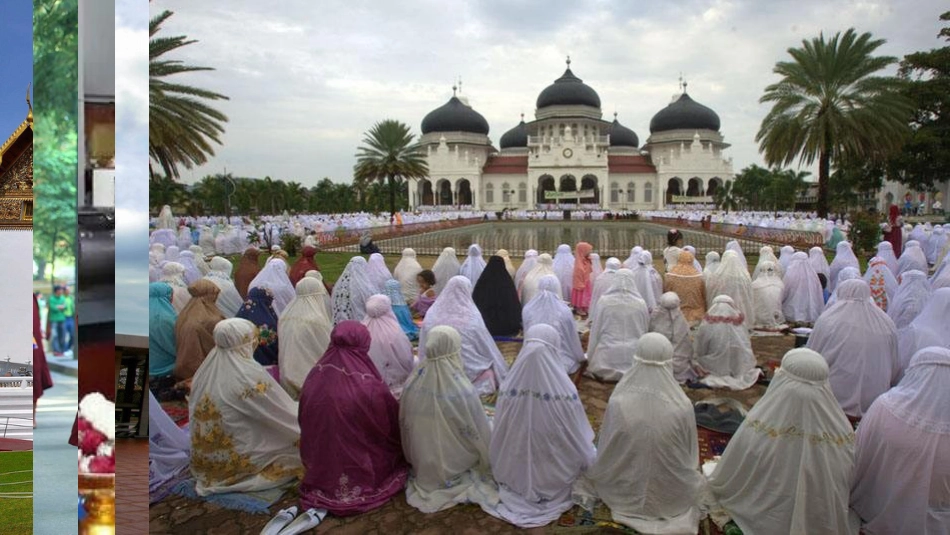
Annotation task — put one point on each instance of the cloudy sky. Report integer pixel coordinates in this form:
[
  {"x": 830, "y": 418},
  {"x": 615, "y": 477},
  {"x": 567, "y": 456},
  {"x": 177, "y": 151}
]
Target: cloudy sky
[
  {"x": 308, "y": 79},
  {"x": 131, "y": 191}
]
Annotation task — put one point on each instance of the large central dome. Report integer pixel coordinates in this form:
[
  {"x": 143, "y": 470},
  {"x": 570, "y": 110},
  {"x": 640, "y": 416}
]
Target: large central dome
[
  {"x": 568, "y": 90},
  {"x": 454, "y": 116},
  {"x": 684, "y": 113}
]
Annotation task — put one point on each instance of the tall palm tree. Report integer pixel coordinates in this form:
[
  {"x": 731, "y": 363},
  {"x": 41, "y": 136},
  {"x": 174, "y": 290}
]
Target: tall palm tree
[
  {"x": 831, "y": 104},
  {"x": 724, "y": 197},
  {"x": 163, "y": 190},
  {"x": 182, "y": 127},
  {"x": 388, "y": 153}
]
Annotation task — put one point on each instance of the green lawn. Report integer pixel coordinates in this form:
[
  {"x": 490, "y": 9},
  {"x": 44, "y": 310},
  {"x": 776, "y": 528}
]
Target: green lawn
[{"x": 17, "y": 513}]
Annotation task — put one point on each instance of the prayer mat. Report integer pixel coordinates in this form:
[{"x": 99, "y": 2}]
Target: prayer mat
[
  {"x": 257, "y": 503},
  {"x": 711, "y": 443},
  {"x": 580, "y": 520},
  {"x": 177, "y": 411}
]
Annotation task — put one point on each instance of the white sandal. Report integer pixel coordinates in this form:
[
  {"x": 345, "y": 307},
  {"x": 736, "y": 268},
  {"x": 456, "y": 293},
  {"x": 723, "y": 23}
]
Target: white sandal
[
  {"x": 284, "y": 517},
  {"x": 310, "y": 519}
]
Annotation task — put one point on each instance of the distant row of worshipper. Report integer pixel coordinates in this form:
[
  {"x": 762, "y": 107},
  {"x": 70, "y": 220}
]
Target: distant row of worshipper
[{"x": 795, "y": 465}]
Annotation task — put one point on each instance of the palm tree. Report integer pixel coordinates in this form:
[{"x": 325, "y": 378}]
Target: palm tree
[
  {"x": 831, "y": 104},
  {"x": 163, "y": 190},
  {"x": 181, "y": 126},
  {"x": 388, "y": 153},
  {"x": 724, "y": 197}
]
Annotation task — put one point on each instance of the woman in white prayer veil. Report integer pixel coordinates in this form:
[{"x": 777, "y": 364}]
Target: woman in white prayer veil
[
  {"x": 901, "y": 478},
  {"x": 169, "y": 452},
  {"x": 859, "y": 342},
  {"x": 174, "y": 274},
  {"x": 445, "y": 433},
  {"x": 406, "y": 272},
  {"x": 390, "y": 349},
  {"x": 797, "y": 435},
  {"x": 184, "y": 238},
  {"x": 696, "y": 264},
  {"x": 351, "y": 291},
  {"x": 203, "y": 266},
  {"x": 816, "y": 257},
  {"x": 733, "y": 279},
  {"x": 767, "y": 291},
  {"x": 473, "y": 265},
  {"x": 378, "y": 272},
  {"x": 766, "y": 255},
  {"x": 206, "y": 240},
  {"x": 655, "y": 277},
  {"x": 164, "y": 237},
  {"x": 172, "y": 253},
  {"x": 322, "y": 297},
  {"x": 646, "y": 470},
  {"x": 844, "y": 257},
  {"x": 929, "y": 328},
  {"x": 274, "y": 277},
  {"x": 618, "y": 322},
  {"x": 192, "y": 273},
  {"x": 155, "y": 261},
  {"x": 229, "y": 300},
  {"x": 785, "y": 256},
  {"x": 712, "y": 264},
  {"x": 802, "y": 299},
  {"x": 530, "y": 260},
  {"x": 733, "y": 245},
  {"x": 912, "y": 258},
  {"x": 564, "y": 268},
  {"x": 603, "y": 281},
  {"x": 938, "y": 240},
  {"x": 723, "y": 347},
  {"x": 304, "y": 334},
  {"x": 238, "y": 411},
  {"x": 509, "y": 267},
  {"x": 542, "y": 439},
  {"x": 445, "y": 267},
  {"x": 882, "y": 281},
  {"x": 529, "y": 288},
  {"x": 845, "y": 274},
  {"x": 885, "y": 251},
  {"x": 668, "y": 320},
  {"x": 484, "y": 364},
  {"x": 548, "y": 307},
  {"x": 165, "y": 219},
  {"x": 641, "y": 276},
  {"x": 632, "y": 259},
  {"x": 910, "y": 298},
  {"x": 596, "y": 268}
]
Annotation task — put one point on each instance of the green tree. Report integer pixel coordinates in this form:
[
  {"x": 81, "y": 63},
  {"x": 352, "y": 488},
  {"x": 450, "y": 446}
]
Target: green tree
[
  {"x": 751, "y": 186},
  {"x": 55, "y": 162},
  {"x": 211, "y": 192},
  {"x": 925, "y": 158},
  {"x": 182, "y": 127},
  {"x": 163, "y": 190},
  {"x": 725, "y": 198},
  {"x": 831, "y": 104},
  {"x": 388, "y": 153}
]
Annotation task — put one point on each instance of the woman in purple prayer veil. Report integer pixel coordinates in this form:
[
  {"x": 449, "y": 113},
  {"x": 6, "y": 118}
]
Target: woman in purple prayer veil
[{"x": 349, "y": 429}]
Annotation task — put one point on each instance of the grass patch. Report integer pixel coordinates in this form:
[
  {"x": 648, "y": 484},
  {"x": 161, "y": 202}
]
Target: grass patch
[{"x": 17, "y": 513}]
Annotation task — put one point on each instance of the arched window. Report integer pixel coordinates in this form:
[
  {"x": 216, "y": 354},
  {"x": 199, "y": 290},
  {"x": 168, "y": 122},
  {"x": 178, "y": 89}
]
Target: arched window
[
  {"x": 631, "y": 192},
  {"x": 648, "y": 192},
  {"x": 489, "y": 193},
  {"x": 614, "y": 192},
  {"x": 505, "y": 193},
  {"x": 522, "y": 193}
]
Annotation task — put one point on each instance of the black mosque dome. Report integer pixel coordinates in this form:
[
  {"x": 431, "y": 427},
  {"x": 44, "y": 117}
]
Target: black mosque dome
[
  {"x": 568, "y": 90},
  {"x": 516, "y": 137},
  {"x": 621, "y": 136},
  {"x": 454, "y": 116},
  {"x": 684, "y": 114}
]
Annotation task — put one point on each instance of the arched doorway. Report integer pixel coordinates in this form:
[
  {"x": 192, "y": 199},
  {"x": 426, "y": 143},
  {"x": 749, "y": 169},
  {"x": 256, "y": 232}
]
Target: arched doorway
[
  {"x": 425, "y": 193},
  {"x": 568, "y": 184},
  {"x": 545, "y": 183},
  {"x": 674, "y": 188},
  {"x": 695, "y": 187},
  {"x": 463, "y": 191},
  {"x": 445, "y": 193},
  {"x": 714, "y": 184},
  {"x": 589, "y": 182}
]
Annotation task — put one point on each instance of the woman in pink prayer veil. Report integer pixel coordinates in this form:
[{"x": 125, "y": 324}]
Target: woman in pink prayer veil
[{"x": 349, "y": 429}]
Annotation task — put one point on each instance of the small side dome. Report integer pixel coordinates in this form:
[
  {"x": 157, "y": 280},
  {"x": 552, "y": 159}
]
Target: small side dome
[
  {"x": 621, "y": 136},
  {"x": 454, "y": 116},
  {"x": 684, "y": 113},
  {"x": 516, "y": 137}
]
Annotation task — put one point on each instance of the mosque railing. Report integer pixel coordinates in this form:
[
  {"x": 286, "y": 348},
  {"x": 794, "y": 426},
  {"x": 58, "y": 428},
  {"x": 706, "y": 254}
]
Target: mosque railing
[
  {"x": 800, "y": 239},
  {"x": 345, "y": 237}
]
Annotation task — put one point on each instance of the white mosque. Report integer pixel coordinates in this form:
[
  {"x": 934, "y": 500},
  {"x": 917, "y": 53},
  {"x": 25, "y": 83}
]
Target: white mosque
[{"x": 569, "y": 156}]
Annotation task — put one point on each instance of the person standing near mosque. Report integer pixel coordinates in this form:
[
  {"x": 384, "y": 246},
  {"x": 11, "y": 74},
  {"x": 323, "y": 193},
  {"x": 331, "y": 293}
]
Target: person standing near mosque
[{"x": 57, "y": 320}]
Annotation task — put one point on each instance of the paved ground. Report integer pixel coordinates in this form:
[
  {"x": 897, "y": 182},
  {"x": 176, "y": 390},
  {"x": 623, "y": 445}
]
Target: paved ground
[
  {"x": 55, "y": 463},
  {"x": 178, "y": 515}
]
